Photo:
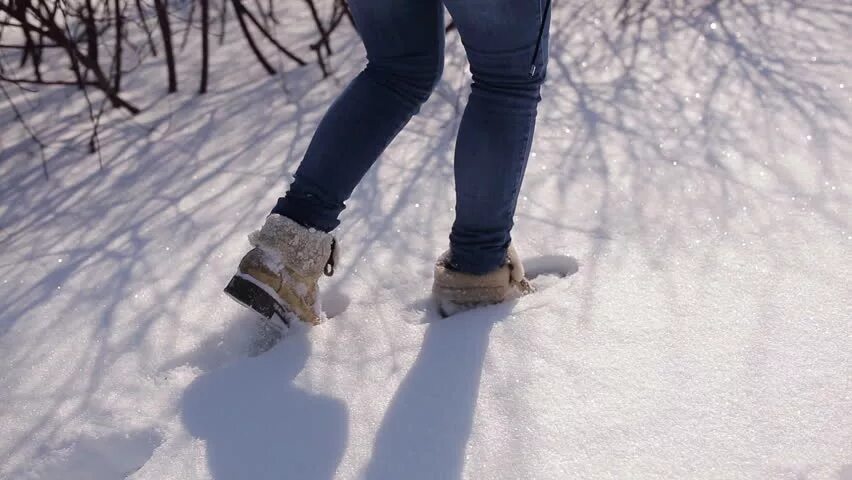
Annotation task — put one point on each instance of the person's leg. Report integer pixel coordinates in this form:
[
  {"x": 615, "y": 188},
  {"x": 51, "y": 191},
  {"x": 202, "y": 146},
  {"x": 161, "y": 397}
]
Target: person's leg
[
  {"x": 404, "y": 42},
  {"x": 504, "y": 40}
]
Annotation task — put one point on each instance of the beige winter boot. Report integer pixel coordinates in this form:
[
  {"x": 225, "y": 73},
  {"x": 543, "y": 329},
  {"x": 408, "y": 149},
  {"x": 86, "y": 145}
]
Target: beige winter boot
[
  {"x": 457, "y": 291},
  {"x": 278, "y": 278}
]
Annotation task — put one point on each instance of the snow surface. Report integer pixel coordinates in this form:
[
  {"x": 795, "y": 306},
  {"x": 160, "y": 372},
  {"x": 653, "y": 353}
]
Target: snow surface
[{"x": 696, "y": 164}]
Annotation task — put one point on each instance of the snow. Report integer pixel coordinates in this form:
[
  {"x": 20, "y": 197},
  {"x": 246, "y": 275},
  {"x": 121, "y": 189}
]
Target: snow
[{"x": 697, "y": 169}]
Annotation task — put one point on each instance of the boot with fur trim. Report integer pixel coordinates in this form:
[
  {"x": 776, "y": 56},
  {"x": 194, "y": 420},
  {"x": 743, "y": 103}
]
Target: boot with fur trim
[
  {"x": 279, "y": 277},
  {"x": 458, "y": 291}
]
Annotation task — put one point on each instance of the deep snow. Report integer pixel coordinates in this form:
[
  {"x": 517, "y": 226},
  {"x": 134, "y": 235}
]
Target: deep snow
[{"x": 695, "y": 163}]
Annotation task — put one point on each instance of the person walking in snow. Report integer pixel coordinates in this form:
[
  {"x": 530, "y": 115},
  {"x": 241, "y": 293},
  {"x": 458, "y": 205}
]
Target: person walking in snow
[{"x": 506, "y": 42}]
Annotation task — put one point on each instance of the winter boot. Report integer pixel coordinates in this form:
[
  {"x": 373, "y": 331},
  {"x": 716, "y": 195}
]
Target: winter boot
[
  {"x": 458, "y": 291},
  {"x": 278, "y": 277}
]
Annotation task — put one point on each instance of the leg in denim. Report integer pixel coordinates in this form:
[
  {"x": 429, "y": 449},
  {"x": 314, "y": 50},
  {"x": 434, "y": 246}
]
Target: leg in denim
[
  {"x": 405, "y": 55},
  {"x": 506, "y": 45}
]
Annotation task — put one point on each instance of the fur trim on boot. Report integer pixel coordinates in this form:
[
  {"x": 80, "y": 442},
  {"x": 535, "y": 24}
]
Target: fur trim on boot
[
  {"x": 458, "y": 291},
  {"x": 280, "y": 274}
]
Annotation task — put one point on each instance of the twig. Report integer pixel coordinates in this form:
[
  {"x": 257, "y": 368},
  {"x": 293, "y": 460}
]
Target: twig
[
  {"x": 188, "y": 26},
  {"x": 144, "y": 22},
  {"x": 238, "y": 5},
  {"x": 240, "y": 10},
  {"x": 205, "y": 43}
]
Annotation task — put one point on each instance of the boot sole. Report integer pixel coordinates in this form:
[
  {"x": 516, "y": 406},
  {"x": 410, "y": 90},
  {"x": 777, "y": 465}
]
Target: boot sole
[{"x": 253, "y": 296}]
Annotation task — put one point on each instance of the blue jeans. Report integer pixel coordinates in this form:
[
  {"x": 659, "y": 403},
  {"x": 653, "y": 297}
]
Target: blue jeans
[{"x": 506, "y": 42}]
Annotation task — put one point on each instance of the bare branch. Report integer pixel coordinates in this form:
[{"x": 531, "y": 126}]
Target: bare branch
[
  {"x": 241, "y": 9},
  {"x": 166, "y": 31}
]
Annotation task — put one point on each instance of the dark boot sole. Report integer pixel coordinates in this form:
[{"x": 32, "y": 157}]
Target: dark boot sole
[{"x": 251, "y": 295}]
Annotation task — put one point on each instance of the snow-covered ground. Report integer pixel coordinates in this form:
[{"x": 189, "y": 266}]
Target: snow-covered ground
[{"x": 696, "y": 163}]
